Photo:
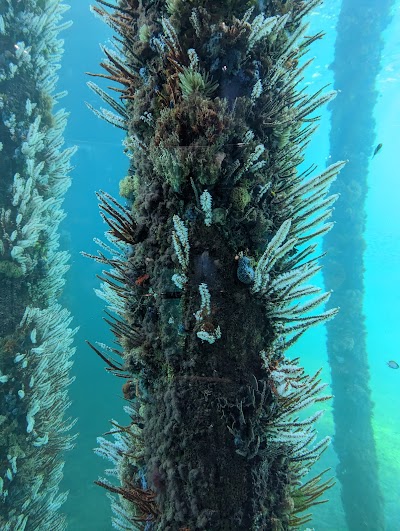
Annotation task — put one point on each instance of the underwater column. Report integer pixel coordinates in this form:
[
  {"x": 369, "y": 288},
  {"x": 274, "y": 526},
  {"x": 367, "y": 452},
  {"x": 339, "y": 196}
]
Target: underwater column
[
  {"x": 35, "y": 336},
  {"x": 357, "y": 62},
  {"x": 209, "y": 262}
]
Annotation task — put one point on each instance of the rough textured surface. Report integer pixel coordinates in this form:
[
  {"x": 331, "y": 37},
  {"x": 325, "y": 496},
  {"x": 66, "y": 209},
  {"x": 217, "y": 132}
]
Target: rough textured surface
[
  {"x": 35, "y": 338},
  {"x": 212, "y": 113}
]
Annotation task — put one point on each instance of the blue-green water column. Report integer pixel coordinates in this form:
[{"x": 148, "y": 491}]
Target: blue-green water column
[
  {"x": 356, "y": 65},
  {"x": 211, "y": 255}
]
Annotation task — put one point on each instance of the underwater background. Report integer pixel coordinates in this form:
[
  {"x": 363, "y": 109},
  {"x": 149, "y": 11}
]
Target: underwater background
[{"x": 100, "y": 164}]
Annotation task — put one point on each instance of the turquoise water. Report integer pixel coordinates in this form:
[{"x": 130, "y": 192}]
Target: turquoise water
[
  {"x": 382, "y": 261},
  {"x": 100, "y": 164}
]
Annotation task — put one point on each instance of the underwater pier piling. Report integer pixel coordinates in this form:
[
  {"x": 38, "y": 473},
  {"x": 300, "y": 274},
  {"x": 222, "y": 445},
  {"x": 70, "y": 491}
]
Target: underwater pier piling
[
  {"x": 357, "y": 62},
  {"x": 209, "y": 263},
  {"x": 35, "y": 334}
]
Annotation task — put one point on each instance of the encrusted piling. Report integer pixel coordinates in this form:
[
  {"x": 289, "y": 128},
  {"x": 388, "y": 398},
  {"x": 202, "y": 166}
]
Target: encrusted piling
[
  {"x": 210, "y": 260},
  {"x": 35, "y": 337}
]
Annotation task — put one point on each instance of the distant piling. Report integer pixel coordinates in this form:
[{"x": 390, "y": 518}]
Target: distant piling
[{"x": 356, "y": 65}]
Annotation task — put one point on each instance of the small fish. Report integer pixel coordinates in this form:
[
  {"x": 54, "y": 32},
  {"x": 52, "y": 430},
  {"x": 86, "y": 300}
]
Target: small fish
[
  {"x": 393, "y": 364},
  {"x": 377, "y": 150}
]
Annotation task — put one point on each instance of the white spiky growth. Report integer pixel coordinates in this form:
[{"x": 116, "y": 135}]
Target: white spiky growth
[{"x": 35, "y": 370}]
